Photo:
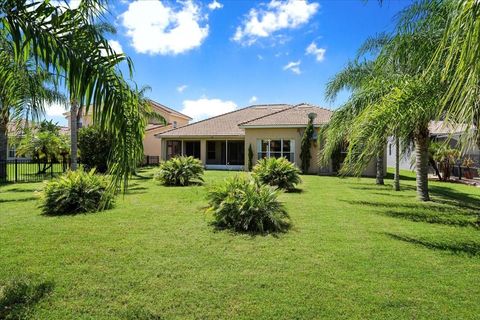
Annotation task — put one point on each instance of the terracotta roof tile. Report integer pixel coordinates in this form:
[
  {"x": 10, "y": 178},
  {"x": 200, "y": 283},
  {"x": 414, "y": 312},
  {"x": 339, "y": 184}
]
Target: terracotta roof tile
[
  {"x": 295, "y": 116},
  {"x": 225, "y": 124}
]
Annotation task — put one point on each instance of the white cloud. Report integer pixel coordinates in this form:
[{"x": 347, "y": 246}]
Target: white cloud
[
  {"x": 205, "y": 108},
  {"x": 182, "y": 88},
  {"x": 253, "y": 99},
  {"x": 116, "y": 46},
  {"x": 55, "y": 109},
  {"x": 215, "y": 5},
  {"x": 319, "y": 53},
  {"x": 278, "y": 15},
  {"x": 260, "y": 57},
  {"x": 156, "y": 28},
  {"x": 293, "y": 66}
]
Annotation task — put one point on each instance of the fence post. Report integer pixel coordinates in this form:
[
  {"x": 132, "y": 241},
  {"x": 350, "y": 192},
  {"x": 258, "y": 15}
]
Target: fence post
[{"x": 16, "y": 174}]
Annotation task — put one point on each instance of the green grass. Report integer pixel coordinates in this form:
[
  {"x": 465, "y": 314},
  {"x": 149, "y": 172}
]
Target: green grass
[{"x": 356, "y": 251}]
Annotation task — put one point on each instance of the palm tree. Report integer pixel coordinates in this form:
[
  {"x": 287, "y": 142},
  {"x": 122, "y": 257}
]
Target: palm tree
[
  {"x": 24, "y": 91},
  {"x": 71, "y": 44},
  {"x": 398, "y": 101}
]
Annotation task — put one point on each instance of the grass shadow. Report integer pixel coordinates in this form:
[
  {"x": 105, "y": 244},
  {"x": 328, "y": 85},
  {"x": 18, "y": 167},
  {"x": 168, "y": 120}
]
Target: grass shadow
[
  {"x": 18, "y": 199},
  {"x": 469, "y": 248},
  {"x": 22, "y": 190},
  {"x": 19, "y": 296},
  {"x": 424, "y": 212},
  {"x": 446, "y": 195},
  {"x": 295, "y": 190}
]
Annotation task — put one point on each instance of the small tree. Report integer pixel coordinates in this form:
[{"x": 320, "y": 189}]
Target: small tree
[
  {"x": 44, "y": 144},
  {"x": 95, "y": 146},
  {"x": 305, "y": 155},
  {"x": 250, "y": 157}
]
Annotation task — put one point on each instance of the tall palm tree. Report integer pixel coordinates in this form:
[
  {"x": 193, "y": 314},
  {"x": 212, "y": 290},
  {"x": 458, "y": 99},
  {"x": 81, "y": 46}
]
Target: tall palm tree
[
  {"x": 69, "y": 43},
  {"x": 400, "y": 102},
  {"x": 24, "y": 92}
]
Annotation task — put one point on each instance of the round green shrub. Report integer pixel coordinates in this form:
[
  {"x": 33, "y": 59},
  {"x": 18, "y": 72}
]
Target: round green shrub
[
  {"x": 76, "y": 192},
  {"x": 277, "y": 172},
  {"x": 244, "y": 205},
  {"x": 180, "y": 171}
]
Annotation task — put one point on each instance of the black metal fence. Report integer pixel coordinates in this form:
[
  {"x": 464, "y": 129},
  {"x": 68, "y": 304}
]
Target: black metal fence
[{"x": 25, "y": 170}]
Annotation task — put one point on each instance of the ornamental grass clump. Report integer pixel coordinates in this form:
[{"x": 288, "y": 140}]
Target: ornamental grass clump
[
  {"x": 242, "y": 204},
  {"x": 277, "y": 172},
  {"x": 180, "y": 171},
  {"x": 76, "y": 192}
]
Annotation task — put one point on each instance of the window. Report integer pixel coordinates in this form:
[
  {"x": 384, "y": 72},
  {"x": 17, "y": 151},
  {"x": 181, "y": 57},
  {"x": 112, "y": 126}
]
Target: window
[
  {"x": 174, "y": 148},
  {"x": 276, "y": 148},
  {"x": 389, "y": 149},
  {"x": 174, "y": 124},
  {"x": 211, "y": 146},
  {"x": 192, "y": 148}
]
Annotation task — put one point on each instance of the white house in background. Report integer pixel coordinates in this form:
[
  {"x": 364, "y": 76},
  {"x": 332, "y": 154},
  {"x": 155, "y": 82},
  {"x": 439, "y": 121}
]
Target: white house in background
[{"x": 439, "y": 131}]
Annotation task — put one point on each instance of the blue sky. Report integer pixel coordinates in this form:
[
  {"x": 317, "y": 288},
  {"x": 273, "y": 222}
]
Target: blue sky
[{"x": 208, "y": 57}]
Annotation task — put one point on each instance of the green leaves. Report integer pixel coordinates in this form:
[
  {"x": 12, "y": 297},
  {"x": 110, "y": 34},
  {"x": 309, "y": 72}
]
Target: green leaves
[
  {"x": 180, "y": 171},
  {"x": 70, "y": 44},
  {"x": 277, "y": 172},
  {"x": 76, "y": 192},
  {"x": 242, "y": 204}
]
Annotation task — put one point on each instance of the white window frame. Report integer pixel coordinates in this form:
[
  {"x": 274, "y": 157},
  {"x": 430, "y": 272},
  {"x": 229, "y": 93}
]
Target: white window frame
[{"x": 260, "y": 143}]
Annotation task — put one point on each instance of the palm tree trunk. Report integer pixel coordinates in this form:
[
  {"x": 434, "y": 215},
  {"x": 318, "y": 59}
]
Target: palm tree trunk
[
  {"x": 396, "y": 180},
  {"x": 73, "y": 135},
  {"x": 380, "y": 169},
  {"x": 421, "y": 154},
  {"x": 3, "y": 149}
]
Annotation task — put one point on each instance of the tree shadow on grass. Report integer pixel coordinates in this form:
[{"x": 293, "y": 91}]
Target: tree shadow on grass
[
  {"x": 386, "y": 187},
  {"x": 449, "y": 196},
  {"x": 19, "y": 296},
  {"x": 469, "y": 248},
  {"x": 424, "y": 212},
  {"x": 16, "y": 189},
  {"x": 19, "y": 199}
]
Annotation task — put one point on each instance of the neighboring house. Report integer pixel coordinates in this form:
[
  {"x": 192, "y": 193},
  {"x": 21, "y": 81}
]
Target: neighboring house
[
  {"x": 272, "y": 130},
  {"x": 440, "y": 131},
  {"x": 151, "y": 145}
]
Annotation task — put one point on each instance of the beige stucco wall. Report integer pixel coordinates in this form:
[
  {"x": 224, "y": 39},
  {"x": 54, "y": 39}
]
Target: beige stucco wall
[
  {"x": 152, "y": 146},
  {"x": 251, "y": 136},
  {"x": 254, "y": 134}
]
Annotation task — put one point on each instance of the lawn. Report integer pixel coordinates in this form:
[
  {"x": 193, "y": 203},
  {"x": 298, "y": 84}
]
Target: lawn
[{"x": 356, "y": 250}]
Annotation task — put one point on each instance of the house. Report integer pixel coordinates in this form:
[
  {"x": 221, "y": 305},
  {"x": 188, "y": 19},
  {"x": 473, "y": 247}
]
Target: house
[
  {"x": 151, "y": 145},
  {"x": 440, "y": 131},
  {"x": 271, "y": 130}
]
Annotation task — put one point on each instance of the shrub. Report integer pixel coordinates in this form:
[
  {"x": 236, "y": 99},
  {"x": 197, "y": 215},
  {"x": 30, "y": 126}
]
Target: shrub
[
  {"x": 180, "y": 171},
  {"x": 76, "y": 192},
  {"x": 277, "y": 172},
  {"x": 305, "y": 155},
  {"x": 250, "y": 157},
  {"x": 244, "y": 205},
  {"x": 95, "y": 147}
]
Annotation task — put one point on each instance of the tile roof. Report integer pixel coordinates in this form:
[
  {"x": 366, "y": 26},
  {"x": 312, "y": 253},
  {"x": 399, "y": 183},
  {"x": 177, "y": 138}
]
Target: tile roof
[
  {"x": 225, "y": 124},
  {"x": 160, "y": 106},
  {"x": 297, "y": 116}
]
